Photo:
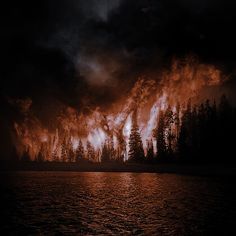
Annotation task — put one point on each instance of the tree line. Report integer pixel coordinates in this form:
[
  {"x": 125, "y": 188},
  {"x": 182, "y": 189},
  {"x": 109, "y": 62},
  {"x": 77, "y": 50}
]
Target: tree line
[{"x": 193, "y": 133}]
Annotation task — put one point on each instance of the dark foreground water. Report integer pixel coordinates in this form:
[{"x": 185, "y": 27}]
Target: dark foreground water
[{"x": 68, "y": 203}]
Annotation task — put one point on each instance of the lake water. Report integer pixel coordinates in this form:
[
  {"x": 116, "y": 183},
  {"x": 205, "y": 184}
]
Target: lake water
[{"x": 69, "y": 203}]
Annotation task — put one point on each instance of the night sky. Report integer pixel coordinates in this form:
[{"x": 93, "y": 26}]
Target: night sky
[{"x": 79, "y": 52}]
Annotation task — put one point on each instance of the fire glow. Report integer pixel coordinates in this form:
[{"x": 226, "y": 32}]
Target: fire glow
[{"x": 113, "y": 127}]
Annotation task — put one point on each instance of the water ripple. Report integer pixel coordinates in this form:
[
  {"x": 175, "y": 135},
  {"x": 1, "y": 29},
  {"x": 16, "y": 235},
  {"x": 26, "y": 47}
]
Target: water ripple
[{"x": 61, "y": 203}]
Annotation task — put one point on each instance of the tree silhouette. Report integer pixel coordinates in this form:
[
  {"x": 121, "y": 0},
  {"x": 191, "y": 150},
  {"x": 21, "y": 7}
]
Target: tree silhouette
[
  {"x": 136, "y": 152},
  {"x": 40, "y": 156},
  {"x": 195, "y": 133},
  {"x": 227, "y": 137},
  {"x": 121, "y": 147},
  {"x": 105, "y": 157},
  {"x": 25, "y": 156},
  {"x": 71, "y": 154},
  {"x": 14, "y": 155},
  {"x": 79, "y": 154},
  {"x": 150, "y": 152},
  {"x": 64, "y": 153},
  {"x": 90, "y": 152},
  {"x": 160, "y": 137},
  {"x": 185, "y": 135},
  {"x": 169, "y": 121}
]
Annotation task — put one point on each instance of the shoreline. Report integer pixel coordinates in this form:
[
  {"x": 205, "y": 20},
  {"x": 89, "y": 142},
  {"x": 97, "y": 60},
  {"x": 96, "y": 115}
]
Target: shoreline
[{"x": 184, "y": 169}]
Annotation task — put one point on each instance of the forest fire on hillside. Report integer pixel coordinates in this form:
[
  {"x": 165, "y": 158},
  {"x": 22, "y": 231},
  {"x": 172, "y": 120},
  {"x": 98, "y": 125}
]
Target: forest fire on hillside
[{"x": 88, "y": 136}]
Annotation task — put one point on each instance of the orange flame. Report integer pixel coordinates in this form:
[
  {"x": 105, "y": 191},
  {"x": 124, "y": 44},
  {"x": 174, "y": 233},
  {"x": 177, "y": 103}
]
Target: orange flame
[{"x": 148, "y": 97}]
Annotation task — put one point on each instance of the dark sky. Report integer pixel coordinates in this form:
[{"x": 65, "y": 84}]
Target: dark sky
[{"x": 59, "y": 48}]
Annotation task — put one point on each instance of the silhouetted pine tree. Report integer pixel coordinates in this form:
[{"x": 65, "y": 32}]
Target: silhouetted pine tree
[
  {"x": 120, "y": 154},
  {"x": 112, "y": 149},
  {"x": 177, "y": 120},
  {"x": 79, "y": 154},
  {"x": 207, "y": 133},
  {"x": 121, "y": 146},
  {"x": 227, "y": 137},
  {"x": 25, "y": 156},
  {"x": 169, "y": 121},
  {"x": 97, "y": 156},
  {"x": 40, "y": 156},
  {"x": 14, "y": 157},
  {"x": 185, "y": 136},
  {"x": 105, "y": 157},
  {"x": 136, "y": 152},
  {"x": 210, "y": 132},
  {"x": 90, "y": 152},
  {"x": 64, "y": 153},
  {"x": 71, "y": 154},
  {"x": 195, "y": 134},
  {"x": 150, "y": 152},
  {"x": 160, "y": 137}
]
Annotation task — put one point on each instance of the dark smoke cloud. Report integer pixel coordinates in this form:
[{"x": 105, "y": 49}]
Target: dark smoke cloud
[
  {"x": 91, "y": 52},
  {"x": 59, "y": 48}
]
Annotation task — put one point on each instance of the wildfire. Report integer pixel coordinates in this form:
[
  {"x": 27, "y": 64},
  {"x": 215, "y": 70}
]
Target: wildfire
[{"x": 89, "y": 133}]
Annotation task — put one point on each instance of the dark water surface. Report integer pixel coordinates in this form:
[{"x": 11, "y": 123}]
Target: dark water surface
[{"x": 69, "y": 203}]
